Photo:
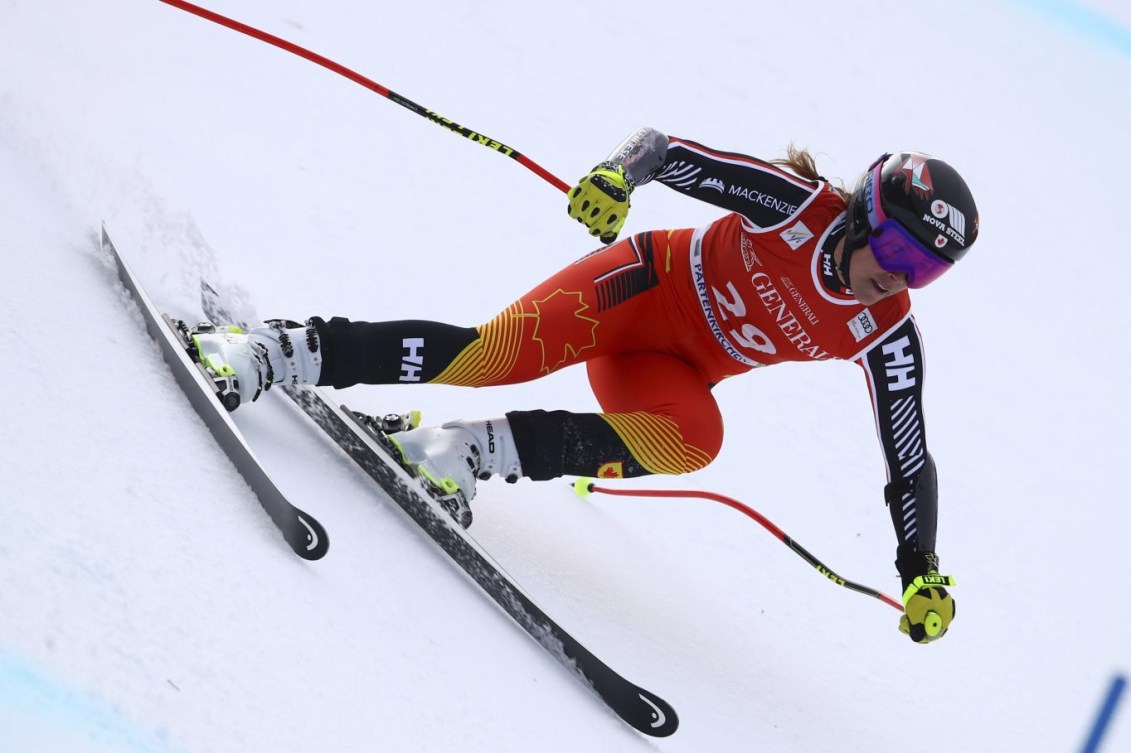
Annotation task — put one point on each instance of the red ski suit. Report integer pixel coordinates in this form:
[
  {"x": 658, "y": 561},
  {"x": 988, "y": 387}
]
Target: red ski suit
[{"x": 660, "y": 317}]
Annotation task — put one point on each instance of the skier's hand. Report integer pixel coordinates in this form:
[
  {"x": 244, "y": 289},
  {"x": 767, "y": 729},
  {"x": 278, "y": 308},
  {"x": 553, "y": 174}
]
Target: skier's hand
[
  {"x": 927, "y": 607},
  {"x": 600, "y": 201}
]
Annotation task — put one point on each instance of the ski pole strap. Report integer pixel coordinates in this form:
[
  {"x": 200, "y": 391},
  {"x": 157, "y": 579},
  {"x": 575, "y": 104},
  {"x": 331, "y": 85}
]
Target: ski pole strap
[
  {"x": 372, "y": 85},
  {"x": 585, "y": 486},
  {"x": 929, "y": 580}
]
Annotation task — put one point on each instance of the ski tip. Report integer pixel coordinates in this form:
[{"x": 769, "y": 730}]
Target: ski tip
[
  {"x": 640, "y": 709},
  {"x": 307, "y": 537},
  {"x": 653, "y": 715}
]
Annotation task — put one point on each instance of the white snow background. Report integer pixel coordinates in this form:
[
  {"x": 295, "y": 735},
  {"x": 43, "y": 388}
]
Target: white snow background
[{"x": 148, "y": 604}]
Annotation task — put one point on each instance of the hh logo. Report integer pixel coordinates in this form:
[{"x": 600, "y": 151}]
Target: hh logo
[
  {"x": 613, "y": 469},
  {"x": 413, "y": 360},
  {"x": 900, "y": 365}
]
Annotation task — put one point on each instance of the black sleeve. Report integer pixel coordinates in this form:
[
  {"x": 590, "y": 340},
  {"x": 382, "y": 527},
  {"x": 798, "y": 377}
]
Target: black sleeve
[
  {"x": 762, "y": 193},
  {"x": 895, "y": 371}
]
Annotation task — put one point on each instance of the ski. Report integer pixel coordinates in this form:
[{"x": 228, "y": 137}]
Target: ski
[
  {"x": 302, "y": 532},
  {"x": 641, "y": 709}
]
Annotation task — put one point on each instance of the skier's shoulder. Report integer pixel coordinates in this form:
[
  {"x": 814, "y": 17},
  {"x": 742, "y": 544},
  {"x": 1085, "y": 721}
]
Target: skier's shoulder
[{"x": 880, "y": 324}]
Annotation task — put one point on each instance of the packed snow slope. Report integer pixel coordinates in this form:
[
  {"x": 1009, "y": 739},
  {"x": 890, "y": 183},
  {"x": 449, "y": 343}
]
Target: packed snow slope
[{"x": 147, "y": 603}]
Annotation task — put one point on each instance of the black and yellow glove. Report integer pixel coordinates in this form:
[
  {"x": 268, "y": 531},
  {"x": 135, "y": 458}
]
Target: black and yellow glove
[
  {"x": 927, "y": 607},
  {"x": 600, "y": 201}
]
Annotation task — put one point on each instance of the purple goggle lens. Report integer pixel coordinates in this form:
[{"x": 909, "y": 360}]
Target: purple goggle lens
[{"x": 895, "y": 248}]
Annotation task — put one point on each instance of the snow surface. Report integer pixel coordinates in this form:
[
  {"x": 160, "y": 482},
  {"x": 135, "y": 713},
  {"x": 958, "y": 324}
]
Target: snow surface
[{"x": 147, "y": 603}]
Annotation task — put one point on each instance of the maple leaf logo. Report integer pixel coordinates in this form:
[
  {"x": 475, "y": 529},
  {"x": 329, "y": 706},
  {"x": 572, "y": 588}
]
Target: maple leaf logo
[
  {"x": 612, "y": 469},
  {"x": 561, "y": 328}
]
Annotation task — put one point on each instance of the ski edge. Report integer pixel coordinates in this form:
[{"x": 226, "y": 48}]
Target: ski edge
[
  {"x": 641, "y": 709},
  {"x": 303, "y": 533}
]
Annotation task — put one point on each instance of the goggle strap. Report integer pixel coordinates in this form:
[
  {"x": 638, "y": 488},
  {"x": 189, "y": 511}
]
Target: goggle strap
[{"x": 845, "y": 259}]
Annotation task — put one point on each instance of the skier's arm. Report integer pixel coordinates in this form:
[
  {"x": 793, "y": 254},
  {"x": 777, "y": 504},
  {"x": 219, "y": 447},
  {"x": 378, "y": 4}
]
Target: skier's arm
[
  {"x": 600, "y": 200},
  {"x": 894, "y": 367},
  {"x": 763, "y": 193},
  {"x": 895, "y": 371},
  {"x": 642, "y": 154}
]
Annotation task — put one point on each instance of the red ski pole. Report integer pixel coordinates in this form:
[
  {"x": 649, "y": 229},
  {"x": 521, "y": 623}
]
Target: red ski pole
[
  {"x": 585, "y": 486},
  {"x": 372, "y": 85}
]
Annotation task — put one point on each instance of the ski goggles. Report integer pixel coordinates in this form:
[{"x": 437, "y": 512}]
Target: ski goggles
[{"x": 895, "y": 248}]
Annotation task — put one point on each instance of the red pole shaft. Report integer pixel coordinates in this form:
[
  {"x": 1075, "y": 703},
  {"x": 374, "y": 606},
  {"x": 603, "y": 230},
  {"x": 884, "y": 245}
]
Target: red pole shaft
[
  {"x": 372, "y": 85},
  {"x": 763, "y": 521}
]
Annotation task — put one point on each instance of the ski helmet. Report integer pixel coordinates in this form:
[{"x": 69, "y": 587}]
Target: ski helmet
[{"x": 917, "y": 213}]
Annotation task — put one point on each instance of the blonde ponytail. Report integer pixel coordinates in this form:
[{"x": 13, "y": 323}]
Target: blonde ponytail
[{"x": 801, "y": 163}]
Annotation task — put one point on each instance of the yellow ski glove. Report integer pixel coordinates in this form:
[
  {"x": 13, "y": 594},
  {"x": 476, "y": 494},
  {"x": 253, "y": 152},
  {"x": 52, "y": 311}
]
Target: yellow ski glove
[
  {"x": 927, "y": 607},
  {"x": 600, "y": 201}
]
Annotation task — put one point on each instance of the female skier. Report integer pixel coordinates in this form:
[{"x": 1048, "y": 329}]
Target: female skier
[{"x": 797, "y": 270}]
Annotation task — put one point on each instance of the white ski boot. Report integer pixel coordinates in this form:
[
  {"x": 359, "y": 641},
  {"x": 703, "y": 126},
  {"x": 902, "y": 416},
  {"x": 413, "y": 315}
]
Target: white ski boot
[
  {"x": 452, "y": 457},
  {"x": 245, "y": 364}
]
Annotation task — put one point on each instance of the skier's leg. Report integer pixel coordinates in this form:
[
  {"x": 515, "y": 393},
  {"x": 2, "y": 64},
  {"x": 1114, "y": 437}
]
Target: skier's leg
[
  {"x": 409, "y": 351},
  {"x": 607, "y": 302},
  {"x": 594, "y": 307},
  {"x": 607, "y": 309},
  {"x": 660, "y": 417}
]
